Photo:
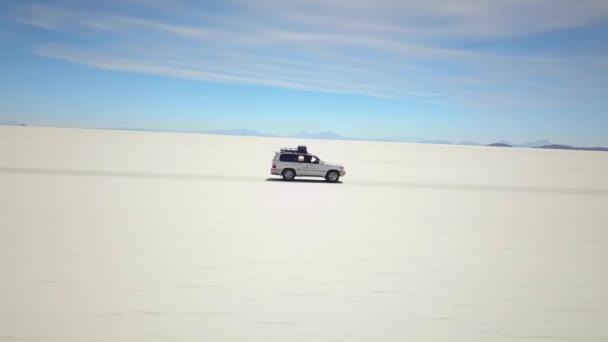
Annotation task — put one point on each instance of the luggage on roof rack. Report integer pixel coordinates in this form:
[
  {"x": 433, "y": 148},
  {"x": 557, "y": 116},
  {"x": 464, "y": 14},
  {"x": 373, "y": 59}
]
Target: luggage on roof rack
[{"x": 300, "y": 149}]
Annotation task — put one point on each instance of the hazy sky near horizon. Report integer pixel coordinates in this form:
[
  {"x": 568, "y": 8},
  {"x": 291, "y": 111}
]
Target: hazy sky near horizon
[{"x": 480, "y": 70}]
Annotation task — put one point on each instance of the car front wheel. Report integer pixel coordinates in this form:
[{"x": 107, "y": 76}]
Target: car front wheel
[
  {"x": 332, "y": 176},
  {"x": 289, "y": 174}
]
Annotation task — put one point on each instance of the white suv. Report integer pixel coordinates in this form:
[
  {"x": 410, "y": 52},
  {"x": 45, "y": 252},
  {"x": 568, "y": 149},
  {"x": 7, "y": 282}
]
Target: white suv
[{"x": 292, "y": 162}]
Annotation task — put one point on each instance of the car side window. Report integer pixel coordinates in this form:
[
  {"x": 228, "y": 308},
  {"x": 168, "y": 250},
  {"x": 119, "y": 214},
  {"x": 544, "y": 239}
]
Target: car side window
[
  {"x": 301, "y": 159},
  {"x": 287, "y": 157}
]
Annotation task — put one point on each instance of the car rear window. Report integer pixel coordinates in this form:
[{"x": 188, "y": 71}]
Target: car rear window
[{"x": 288, "y": 157}]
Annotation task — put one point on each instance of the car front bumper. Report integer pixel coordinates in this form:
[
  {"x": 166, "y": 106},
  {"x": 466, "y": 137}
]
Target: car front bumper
[{"x": 342, "y": 173}]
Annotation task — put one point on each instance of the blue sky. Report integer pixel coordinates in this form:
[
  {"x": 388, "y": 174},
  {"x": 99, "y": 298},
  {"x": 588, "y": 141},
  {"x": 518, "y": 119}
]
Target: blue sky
[{"x": 481, "y": 70}]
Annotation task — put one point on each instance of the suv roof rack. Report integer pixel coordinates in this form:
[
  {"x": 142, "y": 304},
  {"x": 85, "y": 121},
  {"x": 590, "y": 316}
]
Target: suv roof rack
[{"x": 299, "y": 149}]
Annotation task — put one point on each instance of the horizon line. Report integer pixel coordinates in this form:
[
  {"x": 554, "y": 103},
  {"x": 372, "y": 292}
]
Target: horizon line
[{"x": 546, "y": 143}]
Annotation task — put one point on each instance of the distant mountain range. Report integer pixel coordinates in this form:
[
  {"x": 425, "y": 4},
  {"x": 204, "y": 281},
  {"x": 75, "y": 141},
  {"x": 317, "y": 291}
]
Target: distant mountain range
[
  {"x": 565, "y": 147},
  {"x": 557, "y": 147},
  {"x": 329, "y": 135},
  {"x": 546, "y": 144},
  {"x": 500, "y": 145},
  {"x": 11, "y": 123}
]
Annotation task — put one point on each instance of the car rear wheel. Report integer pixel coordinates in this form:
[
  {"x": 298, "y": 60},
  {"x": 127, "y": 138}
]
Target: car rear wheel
[
  {"x": 289, "y": 174},
  {"x": 332, "y": 176}
]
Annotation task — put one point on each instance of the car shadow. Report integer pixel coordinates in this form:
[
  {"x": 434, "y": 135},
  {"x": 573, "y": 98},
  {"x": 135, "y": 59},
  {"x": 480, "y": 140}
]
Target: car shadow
[{"x": 299, "y": 180}]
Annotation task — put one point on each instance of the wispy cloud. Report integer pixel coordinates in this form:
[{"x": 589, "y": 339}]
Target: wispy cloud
[
  {"x": 440, "y": 18},
  {"x": 221, "y": 74},
  {"x": 395, "y": 49},
  {"x": 43, "y": 16}
]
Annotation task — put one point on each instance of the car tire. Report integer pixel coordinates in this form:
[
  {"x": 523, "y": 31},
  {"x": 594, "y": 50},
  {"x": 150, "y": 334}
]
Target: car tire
[
  {"x": 332, "y": 176},
  {"x": 288, "y": 174}
]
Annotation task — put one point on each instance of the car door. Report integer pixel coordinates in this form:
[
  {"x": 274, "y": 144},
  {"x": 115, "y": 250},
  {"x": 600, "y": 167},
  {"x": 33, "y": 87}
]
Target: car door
[
  {"x": 303, "y": 166},
  {"x": 287, "y": 160},
  {"x": 316, "y": 167},
  {"x": 309, "y": 165}
]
